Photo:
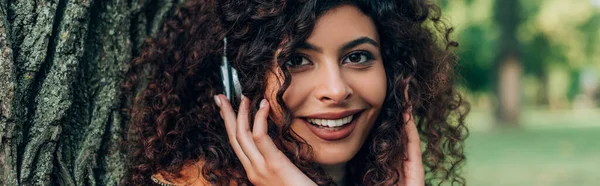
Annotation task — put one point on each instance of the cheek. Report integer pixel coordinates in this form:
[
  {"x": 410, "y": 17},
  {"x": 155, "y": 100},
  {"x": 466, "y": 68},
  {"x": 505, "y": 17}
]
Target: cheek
[
  {"x": 371, "y": 86},
  {"x": 379, "y": 88},
  {"x": 294, "y": 96}
]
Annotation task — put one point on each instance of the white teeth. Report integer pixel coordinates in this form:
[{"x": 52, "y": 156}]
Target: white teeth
[
  {"x": 330, "y": 123},
  {"x": 339, "y": 122}
]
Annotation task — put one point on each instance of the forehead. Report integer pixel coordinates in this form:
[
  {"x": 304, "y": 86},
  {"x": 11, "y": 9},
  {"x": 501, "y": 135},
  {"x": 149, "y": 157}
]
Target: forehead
[{"x": 342, "y": 24}]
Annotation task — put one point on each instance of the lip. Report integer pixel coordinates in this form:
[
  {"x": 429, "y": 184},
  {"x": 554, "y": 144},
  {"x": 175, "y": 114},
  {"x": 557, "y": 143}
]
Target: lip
[
  {"x": 334, "y": 115},
  {"x": 338, "y": 134}
]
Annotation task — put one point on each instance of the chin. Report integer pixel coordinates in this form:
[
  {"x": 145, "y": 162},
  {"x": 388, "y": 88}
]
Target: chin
[{"x": 334, "y": 156}]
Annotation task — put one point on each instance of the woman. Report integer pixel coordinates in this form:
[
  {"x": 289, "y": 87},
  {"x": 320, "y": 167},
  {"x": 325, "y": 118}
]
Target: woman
[{"x": 329, "y": 89}]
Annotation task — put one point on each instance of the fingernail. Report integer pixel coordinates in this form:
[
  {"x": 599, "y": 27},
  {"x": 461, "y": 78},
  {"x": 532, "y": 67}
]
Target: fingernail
[
  {"x": 263, "y": 103},
  {"x": 217, "y": 100},
  {"x": 242, "y": 97}
]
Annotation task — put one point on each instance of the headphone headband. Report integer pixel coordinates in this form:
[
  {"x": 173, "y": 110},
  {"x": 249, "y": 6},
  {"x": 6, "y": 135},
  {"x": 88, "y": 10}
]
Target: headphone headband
[{"x": 231, "y": 82}]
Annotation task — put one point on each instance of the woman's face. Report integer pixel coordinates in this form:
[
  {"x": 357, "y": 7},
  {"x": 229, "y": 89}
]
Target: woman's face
[{"x": 338, "y": 85}]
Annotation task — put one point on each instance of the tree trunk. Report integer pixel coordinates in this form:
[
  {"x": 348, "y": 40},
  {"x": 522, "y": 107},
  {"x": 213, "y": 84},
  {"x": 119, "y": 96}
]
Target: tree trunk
[
  {"x": 61, "y": 64},
  {"x": 508, "y": 64},
  {"x": 509, "y": 94}
]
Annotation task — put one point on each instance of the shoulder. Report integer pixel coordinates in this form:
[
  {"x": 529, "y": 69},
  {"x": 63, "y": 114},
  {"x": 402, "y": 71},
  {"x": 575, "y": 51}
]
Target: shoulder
[{"x": 191, "y": 174}]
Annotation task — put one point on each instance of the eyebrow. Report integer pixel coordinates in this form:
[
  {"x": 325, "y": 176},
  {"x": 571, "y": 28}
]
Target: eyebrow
[
  {"x": 359, "y": 41},
  {"x": 347, "y": 46}
]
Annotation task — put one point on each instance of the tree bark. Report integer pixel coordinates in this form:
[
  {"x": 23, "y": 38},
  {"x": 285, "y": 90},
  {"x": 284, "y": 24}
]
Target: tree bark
[{"x": 61, "y": 65}]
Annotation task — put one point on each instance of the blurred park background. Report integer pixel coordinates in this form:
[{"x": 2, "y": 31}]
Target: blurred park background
[{"x": 531, "y": 70}]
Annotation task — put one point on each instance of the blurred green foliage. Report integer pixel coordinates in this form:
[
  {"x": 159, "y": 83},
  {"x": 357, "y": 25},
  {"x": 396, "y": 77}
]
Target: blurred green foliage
[{"x": 555, "y": 41}]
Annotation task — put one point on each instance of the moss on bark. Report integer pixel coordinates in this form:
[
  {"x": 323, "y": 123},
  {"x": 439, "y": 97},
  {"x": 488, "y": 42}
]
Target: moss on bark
[{"x": 61, "y": 64}]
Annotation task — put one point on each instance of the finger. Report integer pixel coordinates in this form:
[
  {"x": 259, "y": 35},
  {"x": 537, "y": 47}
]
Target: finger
[
  {"x": 275, "y": 160},
  {"x": 413, "y": 167},
  {"x": 414, "y": 142},
  {"x": 228, "y": 115},
  {"x": 229, "y": 118},
  {"x": 414, "y": 174},
  {"x": 414, "y": 163},
  {"x": 263, "y": 141},
  {"x": 244, "y": 135}
]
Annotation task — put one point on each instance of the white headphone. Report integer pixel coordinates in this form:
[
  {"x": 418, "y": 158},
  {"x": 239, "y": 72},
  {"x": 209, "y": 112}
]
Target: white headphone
[{"x": 229, "y": 75}]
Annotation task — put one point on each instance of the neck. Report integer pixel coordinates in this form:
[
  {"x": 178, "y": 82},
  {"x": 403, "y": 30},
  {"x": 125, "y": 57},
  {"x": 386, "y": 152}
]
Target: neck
[{"x": 337, "y": 173}]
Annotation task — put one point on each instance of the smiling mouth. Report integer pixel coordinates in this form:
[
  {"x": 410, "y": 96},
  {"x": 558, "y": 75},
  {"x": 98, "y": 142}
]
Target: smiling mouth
[
  {"x": 330, "y": 123},
  {"x": 333, "y": 129}
]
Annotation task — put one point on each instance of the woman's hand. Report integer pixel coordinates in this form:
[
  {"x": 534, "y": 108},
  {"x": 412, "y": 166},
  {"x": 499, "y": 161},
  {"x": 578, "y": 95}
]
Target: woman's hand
[
  {"x": 264, "y": 163},
  {"x": 413, "y": 172}
]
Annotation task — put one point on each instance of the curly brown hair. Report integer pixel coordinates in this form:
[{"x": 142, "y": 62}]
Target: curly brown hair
[{"x": 174, "y": 121}]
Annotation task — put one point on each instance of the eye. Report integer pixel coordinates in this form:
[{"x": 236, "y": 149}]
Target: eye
[
  {"x": 297, "y": 60},
  {"x": 358, "y": 57}
]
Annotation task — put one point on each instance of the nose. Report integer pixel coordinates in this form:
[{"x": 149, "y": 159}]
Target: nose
[{"x": 332, "y": 87}]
